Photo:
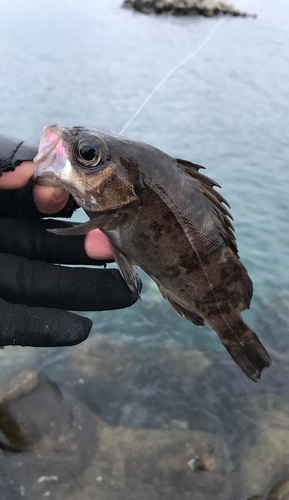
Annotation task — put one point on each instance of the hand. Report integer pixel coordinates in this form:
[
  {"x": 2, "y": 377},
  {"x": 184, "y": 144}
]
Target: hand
[
  {"x": 50, "y": 200},
  {"x": 28, "y": 276}
]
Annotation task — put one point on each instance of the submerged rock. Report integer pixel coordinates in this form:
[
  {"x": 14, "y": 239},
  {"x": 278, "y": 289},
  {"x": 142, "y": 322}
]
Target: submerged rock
[
  {"x": 106, "y": 363},
  {"x": 173, "y": 361},
  {"x": 267, "y": 460},
  {"x": 125, "y": 386},
  {"x": 280, "y": 491},
  {"x": 208, "y": 8}
]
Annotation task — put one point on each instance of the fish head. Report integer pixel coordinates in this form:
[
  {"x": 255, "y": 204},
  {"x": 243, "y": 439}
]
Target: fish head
[{"x": 86, "y": 163}]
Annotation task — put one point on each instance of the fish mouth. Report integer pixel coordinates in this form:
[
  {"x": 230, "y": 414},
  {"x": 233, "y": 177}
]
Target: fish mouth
[
  {"x": 54, "y": 168},
  {"x": 51, "y": 158}
]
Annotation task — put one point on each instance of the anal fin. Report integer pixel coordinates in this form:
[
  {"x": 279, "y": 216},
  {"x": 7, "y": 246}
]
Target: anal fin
[
  {"x": 247, "y": 290},
  {"x": 182, "y": 311}
]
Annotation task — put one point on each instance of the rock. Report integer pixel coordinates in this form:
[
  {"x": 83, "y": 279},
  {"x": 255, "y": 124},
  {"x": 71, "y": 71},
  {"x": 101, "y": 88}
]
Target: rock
[
  {"x": 280, "y": 491},
  {"x": 106, "y": 363},
  {"x": 19, "y": 422},
  {"x": 267, "y": 460},
  {"x": 50, "y": 439},
  {"x": 177, "y": 424},
  {"x": 58, "y": 454},
  {"x": 152, "y": 464},
  {"x": 208, "y": 8}
]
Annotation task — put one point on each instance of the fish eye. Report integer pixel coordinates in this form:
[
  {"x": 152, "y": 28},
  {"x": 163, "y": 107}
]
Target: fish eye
[{"x": 88, "y": 152}]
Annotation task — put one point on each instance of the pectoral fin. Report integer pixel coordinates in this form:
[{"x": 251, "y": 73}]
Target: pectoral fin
[
  {"x": 83, "y": 227},
  {"x": 128, "y": 271}
]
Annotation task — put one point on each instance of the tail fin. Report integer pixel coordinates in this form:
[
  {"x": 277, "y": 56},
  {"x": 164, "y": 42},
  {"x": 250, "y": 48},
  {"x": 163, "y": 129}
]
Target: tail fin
[{"x": 249, "y": 354}]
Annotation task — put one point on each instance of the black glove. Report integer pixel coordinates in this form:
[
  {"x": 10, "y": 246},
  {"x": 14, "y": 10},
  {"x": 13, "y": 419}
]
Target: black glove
[
  {"x": 13, "y": 152},
  {"x": 35, "y": 291}
]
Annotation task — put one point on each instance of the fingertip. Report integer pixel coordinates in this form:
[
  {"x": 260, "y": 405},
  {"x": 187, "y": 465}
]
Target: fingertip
[
  {"x": 49, "y": 200},
  {"x": 97, "y": 245}
]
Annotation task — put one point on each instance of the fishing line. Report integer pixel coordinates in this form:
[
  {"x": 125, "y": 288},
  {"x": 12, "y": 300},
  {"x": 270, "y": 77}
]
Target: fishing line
[
  {"x": 141, "y": 107},
  {"x": 171, "y": 72}
]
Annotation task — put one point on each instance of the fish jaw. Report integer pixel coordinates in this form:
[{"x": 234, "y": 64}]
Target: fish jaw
[
  {"x": 54, "y": 167},
  {"x": 52, "y": 160}
]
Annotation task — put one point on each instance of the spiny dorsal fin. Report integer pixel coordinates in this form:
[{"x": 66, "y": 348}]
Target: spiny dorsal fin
[
  {"x": 188, "y": 164},
  {"x": 206, "y": 185}
]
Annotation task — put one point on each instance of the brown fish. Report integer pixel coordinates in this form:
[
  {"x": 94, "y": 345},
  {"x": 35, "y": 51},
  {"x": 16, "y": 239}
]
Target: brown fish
[{"x": 162, "y": 214}]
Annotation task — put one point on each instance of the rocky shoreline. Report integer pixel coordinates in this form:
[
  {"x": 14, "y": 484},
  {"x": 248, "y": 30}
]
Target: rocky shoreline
[
  {"x": 53, "y": 445},
  {"x": 207, "y": 8}
]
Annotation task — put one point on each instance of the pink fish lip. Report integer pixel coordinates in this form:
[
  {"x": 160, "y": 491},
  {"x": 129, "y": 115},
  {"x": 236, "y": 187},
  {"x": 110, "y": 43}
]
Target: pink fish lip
[
  {"x": 50, "y": 149},
  {"x": 52, "y": 138}
]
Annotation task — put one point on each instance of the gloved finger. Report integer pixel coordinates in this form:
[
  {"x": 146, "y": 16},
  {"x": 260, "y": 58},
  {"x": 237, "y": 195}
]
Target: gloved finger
[
  {"x": 37, "y": 283},
  {"x": 30, "y": 238},
  {"x": 13, "y": 152},
  {"x": 40, "y": 327},
  {"x": 20, "y": 203}
]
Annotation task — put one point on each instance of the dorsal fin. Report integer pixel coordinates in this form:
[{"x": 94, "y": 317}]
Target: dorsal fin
[
  {"x": 206, "y": 185},
  {"x": 188, "y": 164}
]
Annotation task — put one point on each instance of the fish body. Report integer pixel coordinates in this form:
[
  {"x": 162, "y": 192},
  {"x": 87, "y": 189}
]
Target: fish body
[{"x": 161, "y": 214}]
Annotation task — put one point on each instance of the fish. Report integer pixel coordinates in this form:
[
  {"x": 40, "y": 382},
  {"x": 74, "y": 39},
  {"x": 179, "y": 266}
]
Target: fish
[{"x": 163, "y": 215}]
